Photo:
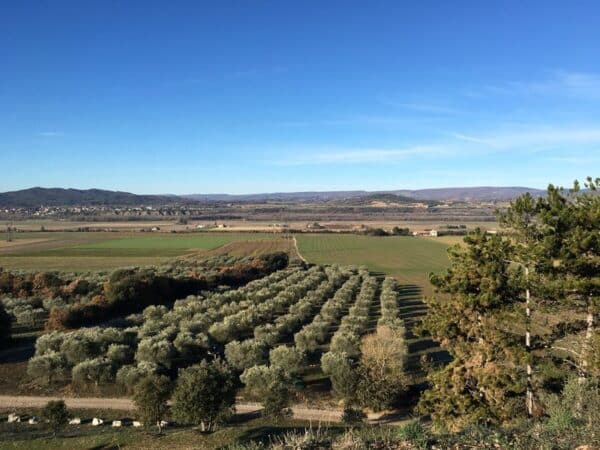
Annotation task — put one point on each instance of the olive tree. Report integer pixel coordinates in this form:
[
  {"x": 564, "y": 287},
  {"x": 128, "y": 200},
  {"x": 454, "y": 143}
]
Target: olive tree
[
  {"x": 47, "y": 368},
  {"x": 271, "y": 386},
  {"x": 150, "y": 396},
  {"x": 204, "y": 395},
  {"x": 96, "y": 371},
  {"x": 290, "y": 359},
  {"x": 129, "y": 375},
  {"x": 77, "y": 349},
  {"x": 245, "y": 354},
  {"x": 344, "y": 376}
]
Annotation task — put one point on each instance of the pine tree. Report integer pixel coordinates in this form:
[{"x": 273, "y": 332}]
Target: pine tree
[
  {"x": 476, "y": 301},
  {"x": 559, "y": 239}
]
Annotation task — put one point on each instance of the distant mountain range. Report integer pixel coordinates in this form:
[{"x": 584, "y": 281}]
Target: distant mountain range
[
  {"x": 38, "y": 196},
  {"x": 483, "y": 193}
]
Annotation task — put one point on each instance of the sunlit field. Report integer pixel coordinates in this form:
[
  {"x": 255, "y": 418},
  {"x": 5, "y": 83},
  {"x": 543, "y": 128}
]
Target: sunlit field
[{"x": 409, "y": 259}]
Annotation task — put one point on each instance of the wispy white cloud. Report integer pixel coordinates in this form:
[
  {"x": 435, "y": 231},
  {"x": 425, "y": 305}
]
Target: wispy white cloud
[
  {"x": 424, "y": 107},
  {"x": 354, "y": 121},
  {"x": 474, "y": 139},
  {"x": 362, "y": 155},
  {"x": 52, "y": 134},
  {"x": 553, "y": 142},
  {"x": 580, "y": 85},
  {"x": 534, "y": 138},
  {"x": 575, "y": 160}
]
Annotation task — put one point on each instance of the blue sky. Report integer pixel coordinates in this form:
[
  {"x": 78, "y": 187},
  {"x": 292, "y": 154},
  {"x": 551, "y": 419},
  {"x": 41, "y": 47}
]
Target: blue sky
[{"x": 256, "y": 96}]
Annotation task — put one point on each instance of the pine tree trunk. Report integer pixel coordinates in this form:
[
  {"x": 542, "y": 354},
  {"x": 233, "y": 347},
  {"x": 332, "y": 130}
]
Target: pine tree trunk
[
  {"x": 529, "y": 394},
  {"x": 585, "y": 354},
  {"x": 585, "y": 351}
]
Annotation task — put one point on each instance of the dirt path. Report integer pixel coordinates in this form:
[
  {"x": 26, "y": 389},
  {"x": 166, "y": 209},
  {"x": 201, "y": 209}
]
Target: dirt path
[
  {"x": 125, "y": 404},
  {"x": 302, "y": 258}
]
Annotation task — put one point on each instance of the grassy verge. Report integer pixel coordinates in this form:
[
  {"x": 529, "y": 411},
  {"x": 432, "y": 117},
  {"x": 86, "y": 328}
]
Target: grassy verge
[{"x": 19, "y": 436}]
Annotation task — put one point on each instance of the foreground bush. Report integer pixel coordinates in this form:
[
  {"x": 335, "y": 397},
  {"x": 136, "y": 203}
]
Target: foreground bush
[{"x": 56, "y": 415}]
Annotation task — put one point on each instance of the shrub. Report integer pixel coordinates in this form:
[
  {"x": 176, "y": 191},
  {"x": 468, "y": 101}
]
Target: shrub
[
  {"x": 415, "y": 433},
  {"x": 353, "y": 416},
  {"x": 56, "y": 414},
  {"x": 382, "y": 376}
]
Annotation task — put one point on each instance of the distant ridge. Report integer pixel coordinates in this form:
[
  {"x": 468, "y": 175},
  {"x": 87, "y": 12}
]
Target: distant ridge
[
  {"x": 37, "y": 196},
  {"x": 465, "y": 194},
  {"x": 482, "y": 193}
]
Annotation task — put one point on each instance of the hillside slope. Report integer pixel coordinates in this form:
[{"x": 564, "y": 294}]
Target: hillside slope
[{"x": 38, "y": 196}]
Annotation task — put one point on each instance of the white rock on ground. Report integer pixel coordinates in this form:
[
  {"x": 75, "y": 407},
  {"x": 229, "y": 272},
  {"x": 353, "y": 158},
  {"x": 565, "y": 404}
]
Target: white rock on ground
[
  {"x": 117, "y": 423},
  {"x": 96, "y": 422},
  {"x": 75, "y": 421},
  {"x": 13, "y": 418}
]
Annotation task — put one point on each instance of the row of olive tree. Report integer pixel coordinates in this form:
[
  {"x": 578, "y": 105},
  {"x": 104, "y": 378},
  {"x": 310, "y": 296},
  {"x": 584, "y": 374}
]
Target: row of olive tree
[
  {"x": 250, "y": 352},
  {"x": 26, "y": 312},
  {"x": 241, "y": 324},
  {"x": 314, "y": 334},
  {"x": 87, "y": 356},
  {"x": 374, "y": 376},
  {"x": 179, "y": 337},
  {"x": 101, "y": 355},
  {"x": 355, "y": 323}
]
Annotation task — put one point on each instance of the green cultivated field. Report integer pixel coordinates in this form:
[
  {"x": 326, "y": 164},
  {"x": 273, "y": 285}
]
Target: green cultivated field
[
  {"x": 83, "y": 251},
  {"x": 409, "y": 259}
]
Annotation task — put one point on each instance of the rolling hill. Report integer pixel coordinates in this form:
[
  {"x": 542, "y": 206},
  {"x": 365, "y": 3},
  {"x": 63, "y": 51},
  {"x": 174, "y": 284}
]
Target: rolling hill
[
  {"x": 484, "y": 193},
  {"x": 37, "y": 196}
]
